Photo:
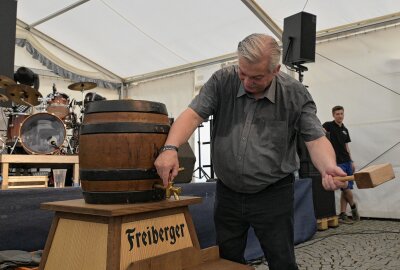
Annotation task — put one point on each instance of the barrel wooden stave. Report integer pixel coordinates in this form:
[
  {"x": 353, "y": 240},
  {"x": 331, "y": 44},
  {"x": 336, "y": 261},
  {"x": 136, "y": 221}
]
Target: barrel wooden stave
[
  {"x": 121, "y": 151},
  {"x": 121, "y": 185}
]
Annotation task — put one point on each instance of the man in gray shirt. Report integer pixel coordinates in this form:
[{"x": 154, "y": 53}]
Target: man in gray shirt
[{"x": 258, "y": 111}]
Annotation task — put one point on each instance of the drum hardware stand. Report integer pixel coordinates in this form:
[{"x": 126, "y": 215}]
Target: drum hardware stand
[
  {"x": 18, "y": 139},
  {"x": 30, "y": 105},
  {"x": 3, "y": 146},
  {"x": 69, "y": 146},
  {"x": 82, "y": 86},
  {"x": 15, "y": 144},
  {"x": 42, "y": 105},
  {"x": 200, "y": 168},
  {"x": 58, "y": 149},
  {"x": 82, "y": 109}
]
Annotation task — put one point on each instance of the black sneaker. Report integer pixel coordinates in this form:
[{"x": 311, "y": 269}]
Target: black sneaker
[
  {"x": 354, "y": 214},
  {"x": 343, "y": 218}
]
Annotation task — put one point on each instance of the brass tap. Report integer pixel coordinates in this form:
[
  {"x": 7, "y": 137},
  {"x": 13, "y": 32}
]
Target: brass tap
[{"x": 170, "y": 190}]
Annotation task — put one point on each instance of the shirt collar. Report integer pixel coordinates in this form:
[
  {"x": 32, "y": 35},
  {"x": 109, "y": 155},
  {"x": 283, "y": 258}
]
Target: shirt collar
[
  {"x": 338, "y": 124},
  {"x": 269, "y": 94}
]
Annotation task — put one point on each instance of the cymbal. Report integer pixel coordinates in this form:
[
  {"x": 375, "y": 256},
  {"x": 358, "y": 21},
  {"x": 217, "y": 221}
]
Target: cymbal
[
  {"x": 23, "y": 94},
  {"x": 6, "y": 82},
  {"x": 81, "y": 86},
  {"x": 3, "y": 98}
]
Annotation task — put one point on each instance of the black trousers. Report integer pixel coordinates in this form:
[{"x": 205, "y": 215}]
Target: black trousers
[{"x": 269, "y": 212}]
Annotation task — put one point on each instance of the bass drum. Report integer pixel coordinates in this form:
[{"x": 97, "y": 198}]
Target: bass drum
[{"x": 42, "y": 133}]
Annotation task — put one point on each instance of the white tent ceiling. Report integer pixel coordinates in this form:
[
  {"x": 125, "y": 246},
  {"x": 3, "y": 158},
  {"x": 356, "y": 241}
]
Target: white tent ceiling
[{"x": 131, "y": 38}]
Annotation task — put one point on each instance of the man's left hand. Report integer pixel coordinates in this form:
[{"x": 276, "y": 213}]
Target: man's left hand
[{"x": 331, "y": 184}]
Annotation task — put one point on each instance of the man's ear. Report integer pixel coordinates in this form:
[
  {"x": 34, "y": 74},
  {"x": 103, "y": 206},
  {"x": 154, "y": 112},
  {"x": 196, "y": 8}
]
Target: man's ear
[{"x": 277, "y": 69}]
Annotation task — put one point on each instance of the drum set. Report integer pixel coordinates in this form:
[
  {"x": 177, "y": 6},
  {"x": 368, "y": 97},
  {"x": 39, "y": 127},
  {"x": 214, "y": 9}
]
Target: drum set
[{"x": 43, "y": 125}]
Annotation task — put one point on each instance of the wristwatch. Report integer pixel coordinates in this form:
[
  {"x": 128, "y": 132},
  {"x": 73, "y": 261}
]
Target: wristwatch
[{"x": 168, "y": 147}]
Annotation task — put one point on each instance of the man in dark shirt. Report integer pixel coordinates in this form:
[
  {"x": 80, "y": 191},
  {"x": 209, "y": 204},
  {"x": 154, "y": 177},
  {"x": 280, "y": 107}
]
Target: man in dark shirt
[
  {"x": 258, "y": 111},
  {"x": 340, "y": 137}
]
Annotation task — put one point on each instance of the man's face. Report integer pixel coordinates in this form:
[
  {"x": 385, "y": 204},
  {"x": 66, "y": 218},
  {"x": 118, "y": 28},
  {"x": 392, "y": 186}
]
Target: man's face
[
  {"x": 256, "y": 77},
  {"x": 338, "y": 116}
]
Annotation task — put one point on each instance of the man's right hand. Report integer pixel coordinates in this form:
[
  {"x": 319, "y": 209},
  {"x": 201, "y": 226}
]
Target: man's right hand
[{"x": 167, "y": 165}]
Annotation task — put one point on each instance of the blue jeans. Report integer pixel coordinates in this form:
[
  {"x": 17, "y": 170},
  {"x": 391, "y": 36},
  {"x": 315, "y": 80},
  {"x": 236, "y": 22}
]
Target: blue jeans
[{"x": 269, "y": 212}]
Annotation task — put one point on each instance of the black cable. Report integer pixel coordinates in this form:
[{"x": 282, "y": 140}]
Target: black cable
[
  {"x": 285, "y": 55},
  {"x": 380, "y": 155},
  {"x": 287, "y": 50},
  {"x": 305, "y": 5},
  {"x": 365, "y": 77},
  {"x": 359, "y": 74},
  {"x": 290, "y": 68}
]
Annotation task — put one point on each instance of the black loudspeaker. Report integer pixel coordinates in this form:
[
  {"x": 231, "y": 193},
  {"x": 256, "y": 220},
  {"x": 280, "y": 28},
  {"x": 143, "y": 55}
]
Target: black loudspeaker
[
  {"x": 306, "y": 166},
  {"x": 299, "y": 32},
  {"x": 324, "y": 201},
  {"x": 187, "y": 160},
  {"x": 8, "y": 20}
]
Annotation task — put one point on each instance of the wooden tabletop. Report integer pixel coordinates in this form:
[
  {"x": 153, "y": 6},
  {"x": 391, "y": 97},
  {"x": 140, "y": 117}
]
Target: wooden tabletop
[
  {"x": 108, "y": 210},
  {"x": 39, "y": 159}
]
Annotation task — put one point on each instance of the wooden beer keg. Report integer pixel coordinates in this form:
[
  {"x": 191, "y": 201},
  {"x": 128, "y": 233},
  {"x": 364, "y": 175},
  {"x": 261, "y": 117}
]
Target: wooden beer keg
[{"x": 118, "y": 144}]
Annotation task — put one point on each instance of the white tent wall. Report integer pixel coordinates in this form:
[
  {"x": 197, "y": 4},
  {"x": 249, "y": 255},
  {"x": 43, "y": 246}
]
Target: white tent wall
[
  {"x": 62, "y": 58},
  {"x": 175, "y": 92},
  {"x": 372, "y": 112},
  {"x": 47, "y": 79}
]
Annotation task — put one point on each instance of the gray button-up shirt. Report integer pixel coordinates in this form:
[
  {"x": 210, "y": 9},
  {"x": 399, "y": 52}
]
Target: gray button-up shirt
[{"x": 253, "y": 141}]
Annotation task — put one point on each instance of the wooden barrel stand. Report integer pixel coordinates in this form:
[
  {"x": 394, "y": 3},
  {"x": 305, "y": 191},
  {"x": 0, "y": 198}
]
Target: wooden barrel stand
[{"x": 144, "y": 236}]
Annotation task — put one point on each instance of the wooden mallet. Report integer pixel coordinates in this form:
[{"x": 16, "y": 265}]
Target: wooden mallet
[{"x": 371, "y": 176}]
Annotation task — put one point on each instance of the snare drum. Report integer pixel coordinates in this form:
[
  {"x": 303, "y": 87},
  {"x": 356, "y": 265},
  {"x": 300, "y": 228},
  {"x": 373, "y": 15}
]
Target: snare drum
[
  {"x": 42, "y": 133},
  {"x": 58, "y": 105}
]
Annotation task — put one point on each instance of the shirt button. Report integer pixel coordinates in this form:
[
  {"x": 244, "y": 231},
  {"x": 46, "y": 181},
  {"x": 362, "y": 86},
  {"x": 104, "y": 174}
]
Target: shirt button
[{"x": 243, "y": 138}]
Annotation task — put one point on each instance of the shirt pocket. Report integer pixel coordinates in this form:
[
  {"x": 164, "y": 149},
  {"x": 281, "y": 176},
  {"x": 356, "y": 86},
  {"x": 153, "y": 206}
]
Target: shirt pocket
[
  {"x": 267, "y": 148},
  {"x": 271, "y": 133}
]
